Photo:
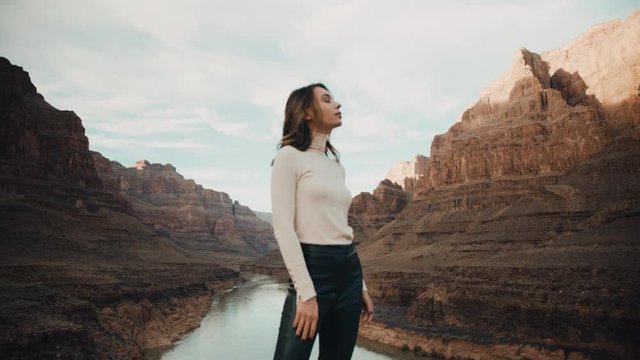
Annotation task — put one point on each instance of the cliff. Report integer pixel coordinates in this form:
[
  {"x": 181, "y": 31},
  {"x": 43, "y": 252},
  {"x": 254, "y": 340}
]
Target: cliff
[
  {"x": 38, "y": 141},
  {"x": 406, "y": 173},
  {"x": 528, "y": 130},
  {"x": 370, "y": 212},
  {"x": 194, "y": 218},
  {"x": 83, "y": 272},
  {"x": 521, "y": 238}
]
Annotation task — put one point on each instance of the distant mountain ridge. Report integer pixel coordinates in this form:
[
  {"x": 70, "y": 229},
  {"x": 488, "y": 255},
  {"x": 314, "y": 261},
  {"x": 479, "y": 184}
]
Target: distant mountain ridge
[{"x": 195, "y": 218}]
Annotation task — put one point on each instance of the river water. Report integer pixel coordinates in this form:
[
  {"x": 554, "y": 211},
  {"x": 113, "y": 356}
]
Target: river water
[{"x": 243, "y": 324}]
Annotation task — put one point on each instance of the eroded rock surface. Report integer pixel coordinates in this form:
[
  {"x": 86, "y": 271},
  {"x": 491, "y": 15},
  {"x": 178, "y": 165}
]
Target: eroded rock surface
[
  {"x": 195, "y": 218},
  {"x": 85, "y": 272},
  {"x": 524, "y": 230},
  {"x": 406, "y": 173},
  {"x": 370, "y": 212}
]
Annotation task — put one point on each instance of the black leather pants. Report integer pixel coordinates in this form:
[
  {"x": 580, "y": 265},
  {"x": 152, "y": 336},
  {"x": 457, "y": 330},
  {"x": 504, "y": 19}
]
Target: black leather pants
[{"x": 337, "y": 278}]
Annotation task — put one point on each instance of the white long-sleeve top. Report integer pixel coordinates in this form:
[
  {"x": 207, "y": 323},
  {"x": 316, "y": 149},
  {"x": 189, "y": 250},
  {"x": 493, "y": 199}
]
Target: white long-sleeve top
[{"x": 309, "y": 204}]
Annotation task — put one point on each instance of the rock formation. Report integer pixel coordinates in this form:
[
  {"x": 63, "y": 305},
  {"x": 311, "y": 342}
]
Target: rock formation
[
  {"x": 84, "y": 274},
  {"x": 38, "y": 141},
  {"x": 370, "y": 212},
  {"x": 194, "y": 217},
  {"x": 523, "y": 233},
  {"x": 527, "y": 130},
  {"x": 603, "y": 64},
  {"x": 406, "y": 173}
]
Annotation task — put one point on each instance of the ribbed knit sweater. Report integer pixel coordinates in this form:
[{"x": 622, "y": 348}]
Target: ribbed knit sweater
[{"x": 309, "y": 204}]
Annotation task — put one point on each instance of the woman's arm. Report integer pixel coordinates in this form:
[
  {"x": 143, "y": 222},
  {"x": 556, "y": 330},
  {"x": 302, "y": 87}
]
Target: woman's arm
[{"x": 284, "y": 177}]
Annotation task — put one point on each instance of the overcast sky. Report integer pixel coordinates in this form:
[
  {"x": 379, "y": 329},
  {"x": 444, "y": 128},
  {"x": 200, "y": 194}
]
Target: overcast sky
[{"x": 202, "y": 84}]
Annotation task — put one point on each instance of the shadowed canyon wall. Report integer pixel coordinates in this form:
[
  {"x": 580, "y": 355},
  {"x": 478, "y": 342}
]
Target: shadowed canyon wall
[{"x": 96, "y": 260}]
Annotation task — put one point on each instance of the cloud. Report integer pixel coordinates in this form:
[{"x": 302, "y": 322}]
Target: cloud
[
  {"x": 139, "y": 72},
  {"x": 150, "y": 124},
  {"x": 99, "y": 141}
]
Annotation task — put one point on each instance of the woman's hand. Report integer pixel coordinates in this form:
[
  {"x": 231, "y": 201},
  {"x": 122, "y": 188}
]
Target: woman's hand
[
  {"x": 366, "y": 314},
  {"x": 306, "y": 319}
]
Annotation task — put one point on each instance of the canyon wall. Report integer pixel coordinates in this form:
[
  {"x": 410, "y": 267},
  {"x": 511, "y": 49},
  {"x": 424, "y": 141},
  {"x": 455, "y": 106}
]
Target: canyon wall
[
  {"x": 406, "y": 173},
  {"x": 523, "y": 233},
  {"x": 37, "y": 141},
  {"x": 96, "y": 261},
  {"x": 369, "y": 212},
  {"x": 194, "y": 218}
]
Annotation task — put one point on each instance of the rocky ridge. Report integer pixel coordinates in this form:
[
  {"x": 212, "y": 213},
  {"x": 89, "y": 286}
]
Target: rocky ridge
[
  {"x": 195, "y": 218},
  {"x": 370, "y": 212},
  {"x": 522, "y": 234},
  {"x": 83, "y": 272}
]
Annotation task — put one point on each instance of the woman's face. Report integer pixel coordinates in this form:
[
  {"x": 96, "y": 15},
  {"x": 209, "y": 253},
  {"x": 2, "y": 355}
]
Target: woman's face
[{"x": 327, "y": 115}]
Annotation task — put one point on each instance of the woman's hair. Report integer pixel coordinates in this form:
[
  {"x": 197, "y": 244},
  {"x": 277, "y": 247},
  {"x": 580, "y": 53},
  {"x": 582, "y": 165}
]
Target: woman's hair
[{"x": 296, "y": 131}]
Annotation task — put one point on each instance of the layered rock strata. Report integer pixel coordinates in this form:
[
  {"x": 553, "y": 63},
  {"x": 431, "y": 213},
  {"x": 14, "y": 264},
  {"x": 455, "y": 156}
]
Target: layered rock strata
[
  {"x": 37, "y": 141},
  {"x": 406, "y": 173},
  {"x": 520, "y": 126},
  {"x": 603, "y": 64},
  {"x": 523, "y": 233},
  {"x": 370, "y": 212},
  {"x": 195, "y": 218},
  {"x": 83, "y": 273}
]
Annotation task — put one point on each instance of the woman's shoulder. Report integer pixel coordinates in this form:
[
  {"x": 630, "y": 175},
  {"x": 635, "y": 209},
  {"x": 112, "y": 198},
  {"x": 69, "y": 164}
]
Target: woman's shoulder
[
  {"x": 287, "y": 153},
  {"x": 288, "y": 150}
]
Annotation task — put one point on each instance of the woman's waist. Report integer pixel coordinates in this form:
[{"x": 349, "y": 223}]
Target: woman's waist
[{"x": 345, "y": 249}]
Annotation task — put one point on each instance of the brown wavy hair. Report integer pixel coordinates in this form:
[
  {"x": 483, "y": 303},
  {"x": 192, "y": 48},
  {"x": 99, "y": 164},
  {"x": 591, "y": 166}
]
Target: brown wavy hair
[{"x": 296, "y": 131}]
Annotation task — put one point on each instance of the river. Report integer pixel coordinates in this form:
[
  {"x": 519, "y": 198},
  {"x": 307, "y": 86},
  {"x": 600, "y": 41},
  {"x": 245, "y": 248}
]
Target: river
[{"x": 243, "y": 323}]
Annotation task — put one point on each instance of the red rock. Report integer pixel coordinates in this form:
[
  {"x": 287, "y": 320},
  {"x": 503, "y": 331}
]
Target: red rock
[
  {"x": 195, "y": 218},
  {"x": 370, "y": 212},
  {"x": 407, "y": 173},
  {"x": 38, "y": 141},
  {"x": 524, "y": 227},
  {"x": 92, "y": 268},
  {"x": 527, "y": 130}
]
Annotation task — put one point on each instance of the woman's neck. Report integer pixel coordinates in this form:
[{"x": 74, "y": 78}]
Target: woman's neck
[{"x": 318, "y": 142}]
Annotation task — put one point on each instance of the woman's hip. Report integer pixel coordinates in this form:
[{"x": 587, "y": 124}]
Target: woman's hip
[{"x": 336, "y": 272}]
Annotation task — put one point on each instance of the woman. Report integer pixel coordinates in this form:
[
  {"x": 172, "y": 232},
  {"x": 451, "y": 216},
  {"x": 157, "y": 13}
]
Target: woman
[{"x": 310, "y": 205}]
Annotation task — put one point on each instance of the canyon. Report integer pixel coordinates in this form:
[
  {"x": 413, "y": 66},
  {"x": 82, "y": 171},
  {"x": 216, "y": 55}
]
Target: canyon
[
  {"x": 517, "y": 237},
  {"x": 520, "y": 235},
  {"x": 99, "y": 261}
]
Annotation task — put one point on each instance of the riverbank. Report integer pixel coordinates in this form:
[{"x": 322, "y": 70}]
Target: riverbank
[
  {"x": 102, "y": 311},
  {"x": 459, "y": 349}
]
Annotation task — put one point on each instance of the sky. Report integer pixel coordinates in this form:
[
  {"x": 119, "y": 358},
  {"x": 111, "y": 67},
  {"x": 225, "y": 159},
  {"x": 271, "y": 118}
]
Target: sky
[{"x": 202, "y": 84}]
